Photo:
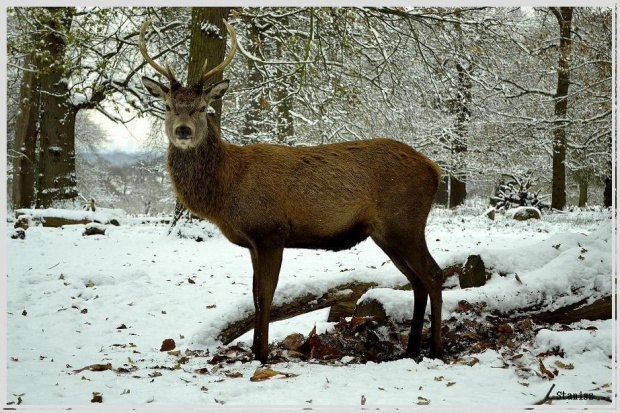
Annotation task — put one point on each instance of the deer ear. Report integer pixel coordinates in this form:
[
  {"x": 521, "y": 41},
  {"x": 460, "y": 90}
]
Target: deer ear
[
  {"x": 155, "y": 88},
  {"x": 217, "y": 90}
]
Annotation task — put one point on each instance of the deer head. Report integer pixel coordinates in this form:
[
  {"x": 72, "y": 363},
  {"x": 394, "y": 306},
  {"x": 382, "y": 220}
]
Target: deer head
[{"x": 186, "y": 121}]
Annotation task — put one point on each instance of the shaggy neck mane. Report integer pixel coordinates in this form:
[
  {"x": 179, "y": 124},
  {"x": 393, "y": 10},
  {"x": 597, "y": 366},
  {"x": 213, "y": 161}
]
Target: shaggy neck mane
[{"x": 197, "y": 173}]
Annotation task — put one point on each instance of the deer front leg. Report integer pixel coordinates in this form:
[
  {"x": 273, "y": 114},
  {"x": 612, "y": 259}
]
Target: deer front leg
[{"x": 266, "y": 263}]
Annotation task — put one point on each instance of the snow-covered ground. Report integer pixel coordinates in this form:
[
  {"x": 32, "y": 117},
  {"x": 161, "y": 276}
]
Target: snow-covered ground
[{"x": 76, "y": 301}]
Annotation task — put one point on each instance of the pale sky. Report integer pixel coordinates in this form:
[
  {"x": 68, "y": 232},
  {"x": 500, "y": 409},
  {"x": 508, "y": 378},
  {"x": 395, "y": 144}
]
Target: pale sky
[{"x": 125, "y": 137}]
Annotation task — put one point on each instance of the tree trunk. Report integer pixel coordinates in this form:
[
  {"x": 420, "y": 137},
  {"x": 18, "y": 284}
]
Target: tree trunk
[
  {"x": 285, "y": 121},
  {"x": 57, "y": 179},
  {"x": 443, "y": 195},
  {"x": 254, "y": 79},
  {"x": 583, "y": 192},
  {"x": 458, "y": 192},
  {"x": 207, "y": 44},
  {"x": 609, "y": 191},
  {"x": 24, "y": 147},
  {"x": 458, "y": 188},
  {"x": 56, "y": 168},
  {"x": 564, "y": 16}
]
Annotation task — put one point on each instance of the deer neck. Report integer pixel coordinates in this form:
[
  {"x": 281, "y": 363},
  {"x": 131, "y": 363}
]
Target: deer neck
[{"x": 197, "y": 174}]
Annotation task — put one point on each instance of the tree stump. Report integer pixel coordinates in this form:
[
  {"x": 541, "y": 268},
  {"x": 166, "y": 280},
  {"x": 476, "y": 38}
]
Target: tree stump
[
  {"x": 371, "y": 308},
  {"x": 473, "y": 273},
  {"x": 525, "y": 213},
  {"x": 94, "y": 229}
]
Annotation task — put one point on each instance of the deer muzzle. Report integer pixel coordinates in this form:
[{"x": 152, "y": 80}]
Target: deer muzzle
[{"x": 183, "y": 132}]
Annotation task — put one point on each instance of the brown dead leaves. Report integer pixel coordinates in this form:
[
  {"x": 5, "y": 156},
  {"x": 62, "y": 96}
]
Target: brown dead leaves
[{"x": 361, "y": 338}]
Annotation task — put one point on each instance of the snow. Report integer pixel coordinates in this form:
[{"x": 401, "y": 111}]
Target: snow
[
  {"x": 209, "y": 28},
  {"x": 578, "y": 341},
  {"x": 67, "y": 295}
]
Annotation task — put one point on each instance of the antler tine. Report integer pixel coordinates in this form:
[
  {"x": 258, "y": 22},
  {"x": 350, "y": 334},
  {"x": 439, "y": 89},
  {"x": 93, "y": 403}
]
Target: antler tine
[
  {"x": 227, "y": 60},
  {"x": 142, "y": 46}
]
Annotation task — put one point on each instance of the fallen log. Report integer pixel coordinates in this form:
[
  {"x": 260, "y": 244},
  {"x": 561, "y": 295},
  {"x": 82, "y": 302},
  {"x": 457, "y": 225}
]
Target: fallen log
[
  {"x": 345, "y": 293},
  {"x": 24, "y": 221},
  {"x": 601, "y": 309},
  {"x": 51, "y": 218},
  {"x": 342, "y": 300}
]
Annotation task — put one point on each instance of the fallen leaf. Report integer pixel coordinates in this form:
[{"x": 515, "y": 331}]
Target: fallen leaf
[
  {"x": 293, "y": 341},
  {"x": 525, "y": 325},
  {"x": 95, "y": 367},
  {"x": 97, "y": 398},
  {"x": 505, "y": 329},
  {"x": 265, "y": 374},
  {"x": 358, "y": 321},
  {"x": 233, "y": 375},
  {"x": 463, "y": 306},
  {"x": 564, "y": 366},
  {"x": 167, "y": 345},
  {"x": 363, "y": 400},
  {"x": 468, "y": 361},
  {"x": 450, "y": 383},
  {"x": 544, "y": 370},
  {"x": 423, "y": 401}
]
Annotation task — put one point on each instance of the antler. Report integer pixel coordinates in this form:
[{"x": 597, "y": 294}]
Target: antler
[
  {"x": 233, "y": 39},
  {"x": 142, "y": 46}
]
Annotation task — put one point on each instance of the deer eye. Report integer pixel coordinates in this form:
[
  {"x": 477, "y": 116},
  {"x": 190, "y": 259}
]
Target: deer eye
[
  {"x": 202, "y": 109},
  {"x": 167, "y": 108}
]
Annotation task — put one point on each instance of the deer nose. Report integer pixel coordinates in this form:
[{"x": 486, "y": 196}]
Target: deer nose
[{"x": 183, "y": 132}]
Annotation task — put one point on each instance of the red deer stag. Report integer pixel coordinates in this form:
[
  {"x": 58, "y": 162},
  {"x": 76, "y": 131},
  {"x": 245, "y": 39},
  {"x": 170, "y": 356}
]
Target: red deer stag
[{"x": 269, "y": 197}]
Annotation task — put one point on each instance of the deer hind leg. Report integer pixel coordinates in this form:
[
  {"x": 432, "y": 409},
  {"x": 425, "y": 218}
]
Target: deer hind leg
[
  {"x": 420, "y": 299},
  {"x": 266, "y": 263},
  {"x": 420, "y": 260}
]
